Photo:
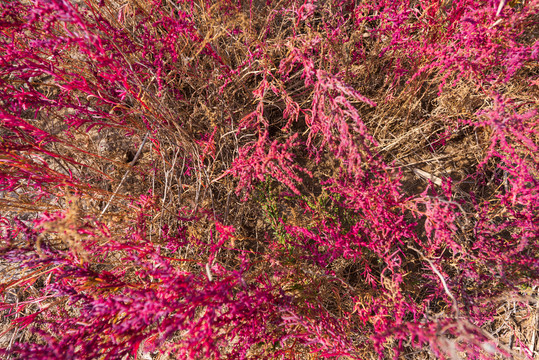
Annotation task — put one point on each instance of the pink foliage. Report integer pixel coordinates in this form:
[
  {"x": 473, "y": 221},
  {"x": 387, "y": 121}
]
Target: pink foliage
[{"x": 412, "y": 252}]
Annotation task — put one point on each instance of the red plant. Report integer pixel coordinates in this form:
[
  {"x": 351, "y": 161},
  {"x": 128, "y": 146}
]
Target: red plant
[{"x": 385, "y": 153}]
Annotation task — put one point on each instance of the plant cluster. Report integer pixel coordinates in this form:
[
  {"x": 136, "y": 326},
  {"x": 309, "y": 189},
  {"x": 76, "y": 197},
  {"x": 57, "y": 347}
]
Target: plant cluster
[{"x": 277, "y": 179}]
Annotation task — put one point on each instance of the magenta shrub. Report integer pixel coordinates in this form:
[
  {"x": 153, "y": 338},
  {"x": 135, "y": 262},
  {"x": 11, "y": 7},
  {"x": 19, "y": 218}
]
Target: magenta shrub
[{"x": 278, "y": 179}]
